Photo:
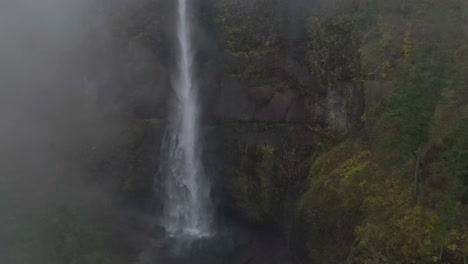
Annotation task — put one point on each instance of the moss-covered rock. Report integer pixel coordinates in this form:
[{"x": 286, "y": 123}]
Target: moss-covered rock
[
  {"x": 329, "y": 211},
  {"x": 251, "y": 188}
]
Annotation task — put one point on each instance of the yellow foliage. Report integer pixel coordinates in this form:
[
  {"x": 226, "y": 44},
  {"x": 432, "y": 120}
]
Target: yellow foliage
[
  {"x": 385, "y": 41},
  {"x": 386, "y": 67},
  {"x": 408, "y": 43},
  {"x": 457, "y": 241},
  {"x": 267, "y": 151},
  {"x": 452, "y": 247},
  {"x": 341, "y": 176},
  {"x": 364, "y": 117},
  {"x": 385, "y": 30},
  {"x": 352, "y": 166},
  {"x": 398, "y": 230},
  {"x": 265, "y": 173},
  {"x": 344, "y": 165},
  {"x": 252, "y": 190}
]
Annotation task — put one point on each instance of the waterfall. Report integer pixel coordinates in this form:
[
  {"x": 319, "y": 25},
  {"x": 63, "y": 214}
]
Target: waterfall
[{"x": 187, "y": 207}]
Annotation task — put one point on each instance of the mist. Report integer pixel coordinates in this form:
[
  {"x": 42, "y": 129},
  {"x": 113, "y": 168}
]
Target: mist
[
  {"x": 52, "y": 73},
  {"x": 328, "y": 131}
]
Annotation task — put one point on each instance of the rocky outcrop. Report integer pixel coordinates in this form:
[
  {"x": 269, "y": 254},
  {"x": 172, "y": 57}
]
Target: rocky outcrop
[
  {"x": 341, "y": 108},
  {"x": 264, "y": 169},
  {"x": 345, "y": 105},
  {"x": 274, "y": 84},
  {"x": 263, "y": 129},
  {"x": 232, "y": 102},
  {"x": 134, "y": 165},
  {"x": 277, "y": 108}
]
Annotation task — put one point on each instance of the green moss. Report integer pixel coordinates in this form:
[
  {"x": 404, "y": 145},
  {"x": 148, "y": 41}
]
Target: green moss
[
  {"x": 252, "y": 184},
  {"x": 251, "y": 36},
  {"x": 241, "y": 190},
  {"x": 264, "y": 171},
  {"x": 361, "y": 190},
  {"x": 331, "y": 206},
  {"x": 333, "y": 48}
]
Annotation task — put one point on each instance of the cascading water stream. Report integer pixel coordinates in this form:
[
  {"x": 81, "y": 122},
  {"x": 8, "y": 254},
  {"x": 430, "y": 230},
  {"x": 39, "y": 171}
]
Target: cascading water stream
[{"x": 187, "y": 207}]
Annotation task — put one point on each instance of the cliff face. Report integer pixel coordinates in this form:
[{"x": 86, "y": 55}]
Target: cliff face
[
  {"x": 266, "y": 113},
  {"x": 263, "y": 74},
  {"x": 244, "y": 83},
  {"x": 258, "y": 82},
  {"x": 253, "y": 78},
  {"x": 334, "y": 131},
  {"x": 339, "y": 108},
  {"x": 312, "y": 113}
]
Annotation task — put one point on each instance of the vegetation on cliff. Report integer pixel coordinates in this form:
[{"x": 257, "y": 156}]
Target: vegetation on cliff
[
  {"x": 361, "y": 158},
  {"x": 398, "y": 192}
]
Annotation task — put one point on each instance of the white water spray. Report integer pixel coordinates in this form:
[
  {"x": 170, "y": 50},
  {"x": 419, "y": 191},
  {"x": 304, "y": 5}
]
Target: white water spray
[{"x": 187, "y": 207}]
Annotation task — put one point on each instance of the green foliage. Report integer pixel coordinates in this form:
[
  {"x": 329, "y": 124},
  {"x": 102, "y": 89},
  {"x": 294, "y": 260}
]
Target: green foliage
[
  {"x": 252, "y": 188},
  {"x": 394, "y": 230},
  {"x": 379, "y": 48},
  {"x": 328, "y": 212},
  {"x": 360, "y": 203},
  {"x": 264, "y": 170},
  {"x": 410, "y": 110},
  {"x": 250, "y": 35},
  {"x": 415, "y": 117},
  {"x": 378, "y": 205},
  {"x": 457, "y": 80},
  {"x": 333, "y": 48}
]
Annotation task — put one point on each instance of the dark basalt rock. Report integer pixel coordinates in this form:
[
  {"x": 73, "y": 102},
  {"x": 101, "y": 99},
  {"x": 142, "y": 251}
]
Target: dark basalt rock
[
  {"x": 233, "y": 102},
  {"x": 261, "y": 95},
  {"x": 276, "y": 110}
]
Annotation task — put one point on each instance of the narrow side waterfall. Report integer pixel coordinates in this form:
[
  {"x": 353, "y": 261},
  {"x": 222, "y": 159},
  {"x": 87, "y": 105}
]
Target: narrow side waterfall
[{"x": 187, "y": 206}]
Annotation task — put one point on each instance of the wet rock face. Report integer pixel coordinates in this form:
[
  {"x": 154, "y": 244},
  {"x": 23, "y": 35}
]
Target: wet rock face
[
  {"x": 277, "y": 107},
  {"x": 261, "y": 95},
  {"x": 138, "y": 160},
  {"x": 264, "y": 169},
  {"x": 356, "y": 106},
  {"x": 263, "y": 74},
  {"x": 344, "y": 106},
  {"x": 232, "y": 102},
  {"x": 276, "y": 87},
  {"x": 340, "y": 108}
]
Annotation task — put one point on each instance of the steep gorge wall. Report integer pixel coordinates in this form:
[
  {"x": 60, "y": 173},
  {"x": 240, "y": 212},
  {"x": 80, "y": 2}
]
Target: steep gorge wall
[
  {"x": 255, "y": 83},
  {"x": 313, "y": 112},
  {"x": 299, "y": 101},
  {"x": 266, "y": 113}
]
